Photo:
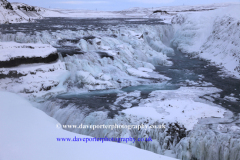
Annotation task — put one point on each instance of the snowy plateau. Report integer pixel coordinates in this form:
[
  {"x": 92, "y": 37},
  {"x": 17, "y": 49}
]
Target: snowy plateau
[{"x": 178, "y": 66}]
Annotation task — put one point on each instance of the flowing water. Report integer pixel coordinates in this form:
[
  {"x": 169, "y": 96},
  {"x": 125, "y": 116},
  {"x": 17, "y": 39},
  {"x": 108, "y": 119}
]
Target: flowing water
[{"x": 183, "y": 70}]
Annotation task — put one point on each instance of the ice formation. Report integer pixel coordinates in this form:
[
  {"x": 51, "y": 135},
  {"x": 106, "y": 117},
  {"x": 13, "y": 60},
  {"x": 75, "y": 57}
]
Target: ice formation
[
  {"x": 155, "y": 110},
  {"x": 116, "y": 56},
  {"x": 37, "y": 133},
  {"x": 212, "y": 139},
  {"x": 104, "y": 62},
  {"x": 213, "y": 36}
]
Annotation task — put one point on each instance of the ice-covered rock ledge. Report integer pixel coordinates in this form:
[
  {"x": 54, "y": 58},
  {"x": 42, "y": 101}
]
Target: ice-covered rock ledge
[
  {"x": 14, "y": 54},
  {"x": 33, "y": 70},
  {"x": 212, "y": 35}
]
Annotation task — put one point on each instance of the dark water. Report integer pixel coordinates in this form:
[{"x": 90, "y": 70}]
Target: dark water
[
  {"x": 183, "y": 68},
  {"x": 74, "y": 24}
]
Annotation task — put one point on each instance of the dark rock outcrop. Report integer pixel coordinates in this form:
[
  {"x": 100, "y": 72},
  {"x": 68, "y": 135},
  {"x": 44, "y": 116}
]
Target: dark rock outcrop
[
  {"x": 13, "y": 62},
  {"x": 6, "y": 4}
]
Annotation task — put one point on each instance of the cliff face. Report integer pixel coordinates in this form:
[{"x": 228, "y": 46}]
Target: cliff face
[
  {"x": 17, "y": 12},
  {"x": 5, "y": 4}
]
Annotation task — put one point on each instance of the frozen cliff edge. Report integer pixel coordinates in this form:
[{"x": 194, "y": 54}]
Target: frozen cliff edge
[
  {"x": 98, "y": 60},
  {"x": 31, "y": 69},
  {"x": 212, "y": 35},
  {"x": 212, "y": 139},
  {"x": 35, "y": 128},
  {"x": 18, "y": 12},
  {"x": 14, "y": 54}
]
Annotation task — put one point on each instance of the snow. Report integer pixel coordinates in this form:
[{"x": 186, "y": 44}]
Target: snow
[
  {"x": 20, "y": 15},
  {"x": 127, "y": 60},
  {"x": 210, "y": 32},
  {"x": 16, "y": 15},
  {"x": 212, "y": 35},
  {"x": 182, "y": 105},
  {"x": 12, "y": 50},
  {"x": 41, "y": 80},
  {"x": 143, "y": 112},
  {"x": 36, "y": 137},
  {"x": 212, "y": 139}
]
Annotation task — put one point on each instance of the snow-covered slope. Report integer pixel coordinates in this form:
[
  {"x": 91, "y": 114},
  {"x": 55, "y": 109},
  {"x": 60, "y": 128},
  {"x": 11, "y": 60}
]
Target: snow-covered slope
[
  {"x": 212, "y": 35},
  {"x": 29, "y": 134},
  {"x": 17, "y": 12}
]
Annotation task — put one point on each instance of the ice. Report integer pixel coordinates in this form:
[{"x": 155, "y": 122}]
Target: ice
[
  {"x": 212, "y": 35},
  {"x": 154, "y": 110},
  {"x": 35, "y": 127},
  {"x": 126, "y": 55},
  {"x": 35, "y": 72},
  {"x": 187, "y": 107},
  {"x": 13, "y": 50},
  {"x": 119, "y": 58},
  {"x": 16, "y": 12},
  {"x": 212, "y": 139}
]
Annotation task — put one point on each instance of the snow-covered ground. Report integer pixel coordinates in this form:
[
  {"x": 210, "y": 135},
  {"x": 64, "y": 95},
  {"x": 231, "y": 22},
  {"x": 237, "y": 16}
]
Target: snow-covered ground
[
  {"x": 27, "y": 133},
  {"x": 182, "y": 105},
  {"x": 20, "y": 12}
]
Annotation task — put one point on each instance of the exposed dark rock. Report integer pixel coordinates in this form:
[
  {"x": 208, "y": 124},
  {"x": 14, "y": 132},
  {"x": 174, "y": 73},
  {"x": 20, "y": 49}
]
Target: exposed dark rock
[
  {"x": 177, "y": 132},
  {"x": 88, "y": 37},
  {"x": 28, "y": 8},
  {"x": 26, "y": 60},
  {"x": 75, "y": 41},
  {"x": 104, "y": 54},
  {"x": 113, "y": 35},
  {"x": 7, "y": 5},
  {"x": 195, "y": 10},
  {"x": 12, "y": 74},
  {"x": 49, "y": 87},
  {"x": 160, "y": 11},
  {"x": 70, "y": 52}
]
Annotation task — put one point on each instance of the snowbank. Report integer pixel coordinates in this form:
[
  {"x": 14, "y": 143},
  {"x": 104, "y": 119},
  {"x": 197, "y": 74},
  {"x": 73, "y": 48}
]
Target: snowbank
[
  {"x": 212, "y": 35},
  {"x": 27, "y": 134}
]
